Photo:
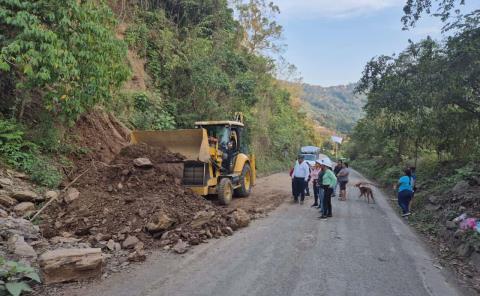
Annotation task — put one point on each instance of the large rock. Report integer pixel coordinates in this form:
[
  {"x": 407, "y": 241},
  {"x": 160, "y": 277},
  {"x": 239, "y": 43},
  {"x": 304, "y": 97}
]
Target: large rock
[
  {"x": 465, "y": 250},
  {"x": 10, "y": 226},
  {"x": 51, "y": 194},
  {"x": 201, "y": 218},
  {"x": 161, "y": 222},
  {"x": 64, "y": 265},
  {"x": 451, "y": 225},
  {"x": 3, "y": 213},
  {"x": 475, "y": 260},
  {"x": 5, "y": 182},
  {"x": 144, "y": 163},
  {"x": 242, "y": 219},
  {"x": 433, "y": 200},
  {"x": 17, "y": 174},
  {"x": 63, "y": 240},
  {"x": 130, "y": 242},
  {"x": 7, "y": 201},
  {"x": 460, "y": 188},
  {"x": 16, "y": 244},
  {"x": 71, "y": 195},
  {"x": 180, "y": 247},
  {"x": 26, "y": 195},
  {"x": 137, "y": 256},
  {"x": 24, "y": 208}
]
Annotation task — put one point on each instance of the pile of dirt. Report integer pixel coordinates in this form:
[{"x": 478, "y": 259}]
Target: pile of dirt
[{"x": 137, "y": 198}]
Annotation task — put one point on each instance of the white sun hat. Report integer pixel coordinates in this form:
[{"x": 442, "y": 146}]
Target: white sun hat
[{"x": 326, "y": 162}]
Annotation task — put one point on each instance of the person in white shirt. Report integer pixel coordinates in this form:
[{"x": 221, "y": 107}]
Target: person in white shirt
[{"x": 300, "y": 175}]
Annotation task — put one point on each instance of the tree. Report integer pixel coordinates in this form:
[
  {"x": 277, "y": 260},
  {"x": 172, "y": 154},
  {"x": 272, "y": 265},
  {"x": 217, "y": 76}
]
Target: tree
[
  {"x": 260, "y": 30},
  {"x": 445, "y": 9},
  {"x": 64, "y": 52}
]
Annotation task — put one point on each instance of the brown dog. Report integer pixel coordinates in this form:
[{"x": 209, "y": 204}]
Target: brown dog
[{"x": 365, "y": 191}]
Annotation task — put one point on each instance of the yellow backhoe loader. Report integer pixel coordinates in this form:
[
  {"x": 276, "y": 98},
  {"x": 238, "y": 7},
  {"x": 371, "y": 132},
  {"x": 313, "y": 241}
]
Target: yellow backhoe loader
[{"x": 216, "y": 161}]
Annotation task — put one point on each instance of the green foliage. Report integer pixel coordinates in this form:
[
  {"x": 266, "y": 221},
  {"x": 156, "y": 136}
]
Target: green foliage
[
  {"x": 15, "y": 277},
  {"x": 200, "y": 68},
  {"x": 423, "y": 100},
  {"x": 150, "y": 114},
  {"x": 143, "y": 111},
  {"x": 260, "y": 30},
  {"x": 67, "y": 50},
  {"x": 445, "y": 9},
  {"x": 335, "y": 107},
  {"x": 25, "y": 155}
]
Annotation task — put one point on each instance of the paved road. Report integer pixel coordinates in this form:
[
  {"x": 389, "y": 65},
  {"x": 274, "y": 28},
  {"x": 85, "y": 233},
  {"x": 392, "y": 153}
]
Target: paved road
[{"x": 363, "y": 250}]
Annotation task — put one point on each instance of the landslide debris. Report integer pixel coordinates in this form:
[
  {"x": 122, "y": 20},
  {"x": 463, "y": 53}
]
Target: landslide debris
[{"x": 137, "y": 201}]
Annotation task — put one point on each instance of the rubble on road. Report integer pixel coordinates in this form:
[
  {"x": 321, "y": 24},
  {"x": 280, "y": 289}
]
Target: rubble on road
[
  {"x": 126, "y": 200},
  {"x": 241, "y": 218},
  {"x": 143, "y": 163},
  {"x": 26, "y": 196},
  {"x": 10, "y": 226},
  {"x": 16, "y": 244},
  {"x": 24, "y": 208}
]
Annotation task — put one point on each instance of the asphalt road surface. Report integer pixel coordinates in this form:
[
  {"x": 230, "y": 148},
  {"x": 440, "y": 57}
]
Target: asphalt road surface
[{"x": 363, "y": 250}]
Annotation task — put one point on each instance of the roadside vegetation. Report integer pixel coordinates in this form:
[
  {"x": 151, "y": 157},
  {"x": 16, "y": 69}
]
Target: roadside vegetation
[
  {"x": 423, "y": 110},
  {"x": 423, "y": 104}
]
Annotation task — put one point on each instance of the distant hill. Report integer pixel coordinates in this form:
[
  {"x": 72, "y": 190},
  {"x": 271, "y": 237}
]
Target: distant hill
[{"x": 335, "y": 107}]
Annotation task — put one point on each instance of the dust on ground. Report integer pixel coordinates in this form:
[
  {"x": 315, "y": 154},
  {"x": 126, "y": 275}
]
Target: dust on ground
[{"x": 267, "y": 194}]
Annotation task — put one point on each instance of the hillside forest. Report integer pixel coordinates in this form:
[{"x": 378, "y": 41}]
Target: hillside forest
[
  {"x": 149, "y": 64},
  {"x": 423, "y": 104},
  {"x": 336, "y": 107}
]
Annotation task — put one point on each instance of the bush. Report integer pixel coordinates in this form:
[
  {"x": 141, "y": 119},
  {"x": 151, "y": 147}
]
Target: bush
[
  {"x": 15, "y": 277},
  {"x": 25, "y": 156}
]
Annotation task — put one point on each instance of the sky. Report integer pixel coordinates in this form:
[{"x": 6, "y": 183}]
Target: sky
[{"x": 330, "y": 41}]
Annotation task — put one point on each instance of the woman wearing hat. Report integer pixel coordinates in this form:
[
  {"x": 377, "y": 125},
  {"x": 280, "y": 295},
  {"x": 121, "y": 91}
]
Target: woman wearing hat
[
  {"x": 316, "y": 175},
  {"x": 328, "y": 184}
]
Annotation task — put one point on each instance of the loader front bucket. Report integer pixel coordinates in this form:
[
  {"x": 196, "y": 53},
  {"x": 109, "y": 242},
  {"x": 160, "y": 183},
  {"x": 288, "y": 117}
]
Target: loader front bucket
[{"x": 191, "y": 143}]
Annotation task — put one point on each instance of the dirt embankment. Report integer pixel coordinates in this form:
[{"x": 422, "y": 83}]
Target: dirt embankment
[{"x": 443, "y": 217}]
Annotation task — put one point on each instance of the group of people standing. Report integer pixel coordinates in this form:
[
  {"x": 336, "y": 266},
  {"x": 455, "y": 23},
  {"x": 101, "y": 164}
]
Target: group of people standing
[{"x": 324, "y": 178}]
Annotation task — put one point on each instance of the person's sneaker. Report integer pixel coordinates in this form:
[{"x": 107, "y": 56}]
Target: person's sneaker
[
  {"x": 322, "y": 217},
  {"x": 314, "y": 205},
  {"x": 329, "y": 216},
  {"x": 406, "y": 215}
]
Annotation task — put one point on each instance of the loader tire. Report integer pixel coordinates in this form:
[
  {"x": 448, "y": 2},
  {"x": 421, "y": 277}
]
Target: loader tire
[
  {"x": 245, "y": 182},
  {"x": 225, "y": 191}
]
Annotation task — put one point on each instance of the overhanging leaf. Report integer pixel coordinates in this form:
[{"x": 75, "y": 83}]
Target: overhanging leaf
[{"x": 16, "y": 289}]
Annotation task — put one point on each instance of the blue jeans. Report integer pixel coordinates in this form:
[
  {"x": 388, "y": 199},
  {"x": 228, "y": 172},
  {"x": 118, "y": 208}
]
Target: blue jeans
[
  {"x": 404, "y": 198},
  {"x": 321, "y": 194}
]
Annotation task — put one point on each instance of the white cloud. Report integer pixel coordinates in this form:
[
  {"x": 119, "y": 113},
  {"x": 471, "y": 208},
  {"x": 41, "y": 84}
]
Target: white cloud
[{"x": 308, "y": 9}]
